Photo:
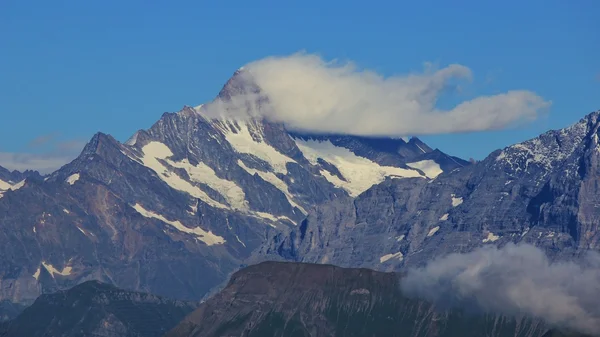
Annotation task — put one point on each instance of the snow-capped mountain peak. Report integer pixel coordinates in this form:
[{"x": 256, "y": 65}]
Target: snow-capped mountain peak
[
  {"x": 181, "y": 204},
  {"x": 552, "y": 148}
]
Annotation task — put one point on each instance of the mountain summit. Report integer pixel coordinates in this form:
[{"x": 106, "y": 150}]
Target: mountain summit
[{"x": 179, "y": 206}]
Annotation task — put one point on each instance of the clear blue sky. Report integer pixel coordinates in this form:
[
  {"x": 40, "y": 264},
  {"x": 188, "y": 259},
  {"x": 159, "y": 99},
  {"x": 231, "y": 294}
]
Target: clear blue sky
[{"x": 71, "y": 68}]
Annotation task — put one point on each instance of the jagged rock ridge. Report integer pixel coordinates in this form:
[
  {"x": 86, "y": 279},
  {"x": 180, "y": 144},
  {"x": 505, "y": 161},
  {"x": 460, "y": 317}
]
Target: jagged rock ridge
[{"x": 13, "y": 180}]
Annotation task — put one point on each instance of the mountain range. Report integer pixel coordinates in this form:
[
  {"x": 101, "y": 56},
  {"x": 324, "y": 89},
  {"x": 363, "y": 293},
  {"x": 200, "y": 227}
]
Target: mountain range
[
  {"x": 543, "y": 191},
  {"x": 178, "y": 208}
]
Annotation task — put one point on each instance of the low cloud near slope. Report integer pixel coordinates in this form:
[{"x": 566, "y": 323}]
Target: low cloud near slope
[{"x": 514, "y": 280}]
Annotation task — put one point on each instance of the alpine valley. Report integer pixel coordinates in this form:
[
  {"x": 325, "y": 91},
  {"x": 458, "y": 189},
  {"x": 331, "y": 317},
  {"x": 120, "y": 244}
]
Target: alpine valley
[{"x": 178, "y": 208}]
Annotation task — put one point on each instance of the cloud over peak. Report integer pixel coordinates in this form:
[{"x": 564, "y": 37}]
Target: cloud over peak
[{"x": 308, "y": 93}]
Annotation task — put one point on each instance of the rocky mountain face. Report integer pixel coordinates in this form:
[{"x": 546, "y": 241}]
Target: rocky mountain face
[
  {"x": 543, "y": 191},
  {"x": 274, "y": 299},
  {"x": 178, "y": 207},
  {"x": 97, "y": 309}
]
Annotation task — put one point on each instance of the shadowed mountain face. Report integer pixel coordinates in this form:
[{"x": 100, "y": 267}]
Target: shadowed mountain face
[
  {"x": 543, "y": 191},
  {"x": 292, "y": 299},
  {"x": 179, "y": 206},
  {"x": 97, "y": 309}
]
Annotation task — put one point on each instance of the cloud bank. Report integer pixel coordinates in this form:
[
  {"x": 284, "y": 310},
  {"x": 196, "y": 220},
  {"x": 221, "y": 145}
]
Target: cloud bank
[
  {"x": 48, "y": 154},
  {"x": 308, "y": 93},
  {"x": 43, "y": 163},
  {"x": 514, "y": 280}
]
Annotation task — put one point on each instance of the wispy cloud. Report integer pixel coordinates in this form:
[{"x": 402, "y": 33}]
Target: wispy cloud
[
  {"x": 43, "y": 140},
  {"x": 71, "y": 146},
  {"x": 47, "y": 153},
  {"x": 43, "y": 163},
  {"x": 514, "y": 280},
  {"x": 308, "y": 93}
]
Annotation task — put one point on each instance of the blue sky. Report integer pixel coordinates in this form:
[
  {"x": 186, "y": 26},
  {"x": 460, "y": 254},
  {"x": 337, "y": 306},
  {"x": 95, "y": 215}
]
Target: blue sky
[{"x": 71, "y": 68}]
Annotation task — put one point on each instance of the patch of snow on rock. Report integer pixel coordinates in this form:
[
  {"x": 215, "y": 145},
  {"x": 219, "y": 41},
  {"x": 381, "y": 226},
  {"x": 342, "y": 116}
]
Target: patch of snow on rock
[
  {"x": 18, "y": 185},
  {"x": 154, "y": 151},
  {"x": 420, "y": 148},
  {"x": 433, "y": 231},
  {"x": 207, "y": 237},
  {"x": 81, "y": 230},
  {"x": 73, "y": 178},
  {"x": 360, "y": 172},
  {"x": 240, "y": 241},
  {"x": 387, "y": 257},
  {"x": 361, "y": 291},
  {"x": 66, "y": 271},
  {"x": 273, "y": 218},
  {"x": 429, "y": 167},
  {"x": 490, "y": 238},
  {"x": 202, "y": 173},
  {"x": 4, "y": 186},
  {"x": 456, "y": 201},
  {"x": 243, "y": 142},
  {"x": 36, "y": 275}
]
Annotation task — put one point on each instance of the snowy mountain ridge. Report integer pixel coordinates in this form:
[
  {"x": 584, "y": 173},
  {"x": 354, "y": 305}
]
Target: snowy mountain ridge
[
  {"x": 179, "y": 206},
  {"x": 543, "y": 192},
  {"x": 13, "y": 180}
]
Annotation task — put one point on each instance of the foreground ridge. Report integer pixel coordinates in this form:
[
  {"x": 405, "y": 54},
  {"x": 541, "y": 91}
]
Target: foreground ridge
[{"x": 295, "y": 299}]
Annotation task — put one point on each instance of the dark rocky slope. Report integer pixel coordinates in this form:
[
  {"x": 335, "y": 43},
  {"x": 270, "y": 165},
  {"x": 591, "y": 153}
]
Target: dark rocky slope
[
  {"x": 290, "y": 299},
  {"x": 97, "y": 309}
]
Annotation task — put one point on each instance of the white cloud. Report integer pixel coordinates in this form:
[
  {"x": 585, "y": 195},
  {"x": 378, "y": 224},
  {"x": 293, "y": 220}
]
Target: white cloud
[
  {"x": 514, "y": 280},
  {"x": 57, "y": 153},
  {"x": 308, "y": 93}
]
